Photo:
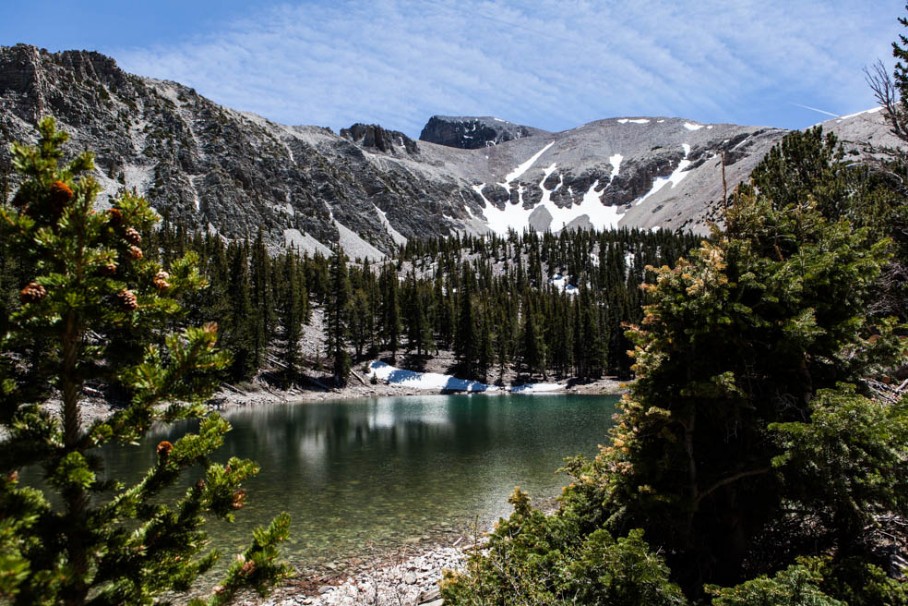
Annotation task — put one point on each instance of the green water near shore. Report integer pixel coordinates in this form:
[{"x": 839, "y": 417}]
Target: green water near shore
[{"x": 378, "y": 474}]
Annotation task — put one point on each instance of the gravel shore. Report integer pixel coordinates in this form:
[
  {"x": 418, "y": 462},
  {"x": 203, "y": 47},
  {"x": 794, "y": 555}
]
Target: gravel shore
[{"x": 408, "y": 577}]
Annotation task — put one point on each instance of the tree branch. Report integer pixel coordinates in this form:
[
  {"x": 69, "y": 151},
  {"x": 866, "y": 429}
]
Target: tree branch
[{"x": 730, "y": 480}]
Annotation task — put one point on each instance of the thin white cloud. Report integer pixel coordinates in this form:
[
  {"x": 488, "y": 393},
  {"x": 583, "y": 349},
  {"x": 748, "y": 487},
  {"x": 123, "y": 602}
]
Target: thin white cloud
[{"x": 553, "y": 64}]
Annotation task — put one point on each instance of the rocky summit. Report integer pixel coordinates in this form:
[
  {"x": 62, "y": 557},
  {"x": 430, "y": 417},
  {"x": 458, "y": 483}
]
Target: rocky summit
[
  {"x": 473, "y": 133},
  {"x": 370, "y": 188}
]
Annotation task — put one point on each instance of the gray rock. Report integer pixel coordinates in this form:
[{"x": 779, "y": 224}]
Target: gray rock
[
  {"x": 473, "y": 133},
  {"x": 218, "y": 169}
]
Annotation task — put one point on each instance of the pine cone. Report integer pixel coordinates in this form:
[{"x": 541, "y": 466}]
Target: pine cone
[
  {"x": 163, "y": 449},
  {"x": 132, "y": 236},
  {"x": 239, "y": 499},
  {"x": 135, "y": 253},
  {"x": 248, "y": 568},
  {"x": 109, "y": 269},
  {"x": 60, "y": 195},
  {"x": 114, "y": 217},
  {"x": 127, "y": 300},
  {"x": 32, "y": 293},
  {"x": 160, "y": 280}
]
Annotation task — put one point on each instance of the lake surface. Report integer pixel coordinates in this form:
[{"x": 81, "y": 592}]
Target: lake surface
[{"x": 381, "y": 473}]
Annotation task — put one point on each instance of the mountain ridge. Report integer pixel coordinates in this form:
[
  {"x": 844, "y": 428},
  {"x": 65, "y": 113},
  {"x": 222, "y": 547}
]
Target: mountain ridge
[{"x": 368, "y": 187}]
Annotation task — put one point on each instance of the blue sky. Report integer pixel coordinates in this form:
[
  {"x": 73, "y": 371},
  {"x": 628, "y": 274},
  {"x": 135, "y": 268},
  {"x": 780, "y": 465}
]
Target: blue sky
[{"x": 553, "y": 64}]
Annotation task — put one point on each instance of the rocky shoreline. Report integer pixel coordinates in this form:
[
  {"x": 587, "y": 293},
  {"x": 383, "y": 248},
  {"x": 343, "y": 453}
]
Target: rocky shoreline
[
  {"x": 406, "y": 577},
  {"x": 398, "y": 580}
]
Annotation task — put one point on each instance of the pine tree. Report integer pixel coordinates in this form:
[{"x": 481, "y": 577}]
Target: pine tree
[
  {"x": 390, "y": 309},
  {"x": 745, "y": 333},
  {"x": 337, "y": 315},
  {"x": 90, "y": 540},
  {"x": 294, "y": 312}
]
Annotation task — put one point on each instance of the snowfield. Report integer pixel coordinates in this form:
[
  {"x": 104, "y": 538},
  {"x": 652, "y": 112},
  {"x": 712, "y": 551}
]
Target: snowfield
[{"x": 433, "y": 381}]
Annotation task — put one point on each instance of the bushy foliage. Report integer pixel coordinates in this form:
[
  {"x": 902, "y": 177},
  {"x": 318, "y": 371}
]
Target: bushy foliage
[
  {"x": 532, "y": 558},
  {"x": 96, "y": 312},
  {"x": 748, "y": 439}
]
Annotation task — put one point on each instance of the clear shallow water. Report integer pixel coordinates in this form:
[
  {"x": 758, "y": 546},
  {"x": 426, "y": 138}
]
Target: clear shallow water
[{"x": 384, "y": 472}]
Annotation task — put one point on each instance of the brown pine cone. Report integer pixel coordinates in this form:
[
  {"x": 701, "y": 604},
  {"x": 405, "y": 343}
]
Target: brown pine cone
[
  {"x": 132, "y": 236},
  {"x": 60, "y": 195},
  {"x": 32, "y": 293},
  {"x": 239, "y": 499},
  {"x": 248, "y": 568},
  {"x": 135, "y": 253},
  {"x": 109, "y": 269},
  {"x": 127, "y": 300},
  {"x": 160, "y": 280},
  {"x": 115, "y": 217},
  {"x": 163, "y": 449}
]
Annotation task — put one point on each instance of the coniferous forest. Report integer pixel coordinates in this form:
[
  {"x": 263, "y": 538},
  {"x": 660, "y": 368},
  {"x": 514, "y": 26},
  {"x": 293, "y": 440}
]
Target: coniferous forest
[
  {"x": 759, "y": 457},
  {"x": 537, "y": 305}
]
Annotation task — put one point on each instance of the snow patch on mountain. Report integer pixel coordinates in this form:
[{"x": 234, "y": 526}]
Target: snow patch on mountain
[
  {"x": 673, "y": 179},
  {"x": 863, "y": 113},
  {"x": 398, "y": 237},
  {"x": 633, "y": 120},
  {"x": 615, "y": 161},
  {"x": 518, "y": 172}
]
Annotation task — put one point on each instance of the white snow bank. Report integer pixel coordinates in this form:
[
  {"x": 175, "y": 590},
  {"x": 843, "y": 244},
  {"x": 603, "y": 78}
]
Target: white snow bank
[
  {"x": 434, "y": 381},
  {"x": 531, "y": 388},
  {"x": 423, "y": 380},
  {"x": 633, "y": 121},
  {"x": 673, "y": 179},
  {"x": 863, "y": 113},
  {"x": 518, "y": 172},
  {"x": 692, "y": 126}
]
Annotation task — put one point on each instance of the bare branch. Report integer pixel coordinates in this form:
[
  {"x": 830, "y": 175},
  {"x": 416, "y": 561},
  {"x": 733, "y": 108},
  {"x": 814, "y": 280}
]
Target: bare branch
[
  {"x": 730, "y": 480},
  {"x": 887, "y": 95}
]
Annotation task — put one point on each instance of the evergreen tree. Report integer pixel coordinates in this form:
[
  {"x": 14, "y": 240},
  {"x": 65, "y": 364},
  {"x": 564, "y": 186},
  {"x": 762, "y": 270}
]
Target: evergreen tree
[
  {"x": 337, "y": 315},
  {"x": 243, "y": 320},
  {"x": 532, "y": 342},
  {"x": 93, "y": 541},
  {"x": 465, "y": 337},
  {"x": 748, "y": 444},
  {"x": 294, "y": 312},
  {"x": 390, "y": 309}
]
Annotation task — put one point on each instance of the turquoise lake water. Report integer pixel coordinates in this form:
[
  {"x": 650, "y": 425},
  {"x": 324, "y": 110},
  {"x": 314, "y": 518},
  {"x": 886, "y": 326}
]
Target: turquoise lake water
[{"x": 382, "y": 473}]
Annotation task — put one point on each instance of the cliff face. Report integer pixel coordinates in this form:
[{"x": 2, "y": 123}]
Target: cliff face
[
  {"x": 473, "y": 133},
  {"x": 371, "y": 188},
  {"x": 216, "y": 168}
]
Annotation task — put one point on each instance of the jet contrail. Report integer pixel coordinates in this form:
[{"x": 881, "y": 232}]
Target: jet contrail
[{"x": 813, "y": 109}]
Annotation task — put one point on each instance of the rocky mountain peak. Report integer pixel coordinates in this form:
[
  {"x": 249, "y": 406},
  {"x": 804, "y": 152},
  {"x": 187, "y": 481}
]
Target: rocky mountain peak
[
  {"x": 375, "y": 137},
  {"x": 465, "y": 132},
  {"x": 371, "y": 189}
]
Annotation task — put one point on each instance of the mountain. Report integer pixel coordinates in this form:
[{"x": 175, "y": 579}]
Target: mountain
[
  {"x": 466, "y": 132},
  {"x": 368, "y": 187}
]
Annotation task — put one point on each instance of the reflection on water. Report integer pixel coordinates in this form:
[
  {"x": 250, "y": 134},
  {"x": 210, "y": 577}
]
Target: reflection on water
[{"x": 388, "y": 470}]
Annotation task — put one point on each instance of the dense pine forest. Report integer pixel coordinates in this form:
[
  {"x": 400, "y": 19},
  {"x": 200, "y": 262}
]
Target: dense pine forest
[{"x": 523, "y": 306}]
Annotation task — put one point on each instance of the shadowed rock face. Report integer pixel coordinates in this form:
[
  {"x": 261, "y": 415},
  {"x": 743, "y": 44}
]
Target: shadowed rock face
[
  {"x": 374, "y": 136},
  {"x": 473, "y": 133},
  {"x": 371, "y": 188}
]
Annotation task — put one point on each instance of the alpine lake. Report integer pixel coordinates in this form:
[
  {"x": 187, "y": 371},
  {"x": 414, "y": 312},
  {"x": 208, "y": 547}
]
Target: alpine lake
[{"x": 369, "y": 476}]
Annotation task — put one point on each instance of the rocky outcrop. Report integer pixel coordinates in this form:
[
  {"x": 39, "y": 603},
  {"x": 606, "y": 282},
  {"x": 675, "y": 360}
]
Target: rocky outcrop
[
  {"x": 473, "y": 133},
  {"x": 371, "y": 188},
  {"x": 375, "y": 137}
]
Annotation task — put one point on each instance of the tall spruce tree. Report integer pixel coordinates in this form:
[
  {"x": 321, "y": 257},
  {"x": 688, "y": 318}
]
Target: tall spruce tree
[
  {"x": 337, "y": 315},
  {"x": 83, "y": 540}
]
